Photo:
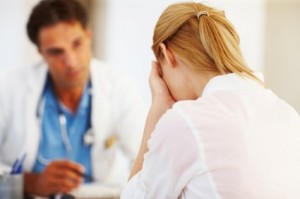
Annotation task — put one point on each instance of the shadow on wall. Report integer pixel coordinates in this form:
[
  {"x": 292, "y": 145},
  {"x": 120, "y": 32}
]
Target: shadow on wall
[
  {"x": 282, "y": 50},
  {"x": 97, "y": 16}
]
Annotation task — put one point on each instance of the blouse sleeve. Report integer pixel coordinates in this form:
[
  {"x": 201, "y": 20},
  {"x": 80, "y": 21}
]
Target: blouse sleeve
[{"x": 170, "y": 162}]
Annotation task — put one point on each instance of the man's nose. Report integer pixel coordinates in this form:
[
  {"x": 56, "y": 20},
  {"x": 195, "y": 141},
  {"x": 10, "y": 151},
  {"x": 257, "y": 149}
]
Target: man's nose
[{"x": 70, "y": 60}]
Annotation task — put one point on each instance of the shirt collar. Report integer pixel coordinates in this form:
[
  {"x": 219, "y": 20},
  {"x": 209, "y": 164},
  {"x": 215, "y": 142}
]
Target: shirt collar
[
  {"x": 53, "y": 102},
  {"x": 86, "y": 96},
  {"x": 231, "y": 81}
]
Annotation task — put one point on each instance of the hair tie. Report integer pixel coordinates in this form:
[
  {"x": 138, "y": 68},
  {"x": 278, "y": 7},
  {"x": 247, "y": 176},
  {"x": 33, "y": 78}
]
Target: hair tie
[{"x": 199, "y": 14}]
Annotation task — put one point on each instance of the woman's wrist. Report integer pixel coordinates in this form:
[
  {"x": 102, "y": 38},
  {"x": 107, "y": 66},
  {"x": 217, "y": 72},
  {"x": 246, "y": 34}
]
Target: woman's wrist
[
  {"x": 157, "y": 109},
  {"x": 162, "y": 104}
]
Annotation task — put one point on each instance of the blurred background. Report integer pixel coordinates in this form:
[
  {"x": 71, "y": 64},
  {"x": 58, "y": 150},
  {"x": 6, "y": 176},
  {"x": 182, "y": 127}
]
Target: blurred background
[{"x": 269, "y": 32}]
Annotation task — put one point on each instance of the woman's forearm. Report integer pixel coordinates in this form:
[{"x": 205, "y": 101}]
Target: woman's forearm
[
  {"x": 156, "y": 111},
  {"x": 161, "y": 102}
]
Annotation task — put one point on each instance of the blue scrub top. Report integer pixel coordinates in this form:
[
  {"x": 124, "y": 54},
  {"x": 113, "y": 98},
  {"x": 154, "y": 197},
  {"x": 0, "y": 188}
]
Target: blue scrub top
[{"x": 52, "y": 146}]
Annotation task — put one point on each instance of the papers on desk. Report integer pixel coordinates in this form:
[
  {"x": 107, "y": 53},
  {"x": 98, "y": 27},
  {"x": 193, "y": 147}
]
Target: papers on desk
[
  {"x": 4, "y": 169},
  {"x": 97, "y": 191}
]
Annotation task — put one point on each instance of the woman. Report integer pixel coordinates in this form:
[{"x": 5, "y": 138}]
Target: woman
[{"x": 213, "y": 129}]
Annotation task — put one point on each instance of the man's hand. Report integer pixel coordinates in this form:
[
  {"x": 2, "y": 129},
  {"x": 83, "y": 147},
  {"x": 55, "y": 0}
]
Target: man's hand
[{"x": 60, "y": 176}]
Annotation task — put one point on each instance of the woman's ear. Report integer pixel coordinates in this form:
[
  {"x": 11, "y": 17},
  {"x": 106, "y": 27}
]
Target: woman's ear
[{"x": 168, "y": 55}]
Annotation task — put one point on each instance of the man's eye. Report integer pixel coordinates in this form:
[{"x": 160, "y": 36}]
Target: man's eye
[
  {"x": 54, "y": 52},
  {"x": 77, "y": 44}
]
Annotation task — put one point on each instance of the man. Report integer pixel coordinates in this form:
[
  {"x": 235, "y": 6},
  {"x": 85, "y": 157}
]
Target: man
[{"x": 71, "y": 115}]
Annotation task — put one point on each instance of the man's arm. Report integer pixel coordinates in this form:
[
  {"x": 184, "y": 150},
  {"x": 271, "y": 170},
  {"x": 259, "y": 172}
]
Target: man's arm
[{"x": 3, "y": 122}]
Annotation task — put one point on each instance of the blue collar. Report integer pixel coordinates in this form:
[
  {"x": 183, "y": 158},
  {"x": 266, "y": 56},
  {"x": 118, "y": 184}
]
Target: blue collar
[{"x": 50, "y": 100}]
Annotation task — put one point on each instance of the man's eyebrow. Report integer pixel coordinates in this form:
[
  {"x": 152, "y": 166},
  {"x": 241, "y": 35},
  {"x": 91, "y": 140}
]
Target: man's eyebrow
[{"x": 79, "y": 38}]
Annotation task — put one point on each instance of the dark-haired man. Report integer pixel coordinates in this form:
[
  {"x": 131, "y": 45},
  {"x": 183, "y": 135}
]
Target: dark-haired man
[{"x": 71, "y": 115}]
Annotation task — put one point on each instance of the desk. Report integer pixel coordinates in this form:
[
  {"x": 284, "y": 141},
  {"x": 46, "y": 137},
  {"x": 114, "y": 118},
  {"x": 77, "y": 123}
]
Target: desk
[{"x": 95, "y": 191}]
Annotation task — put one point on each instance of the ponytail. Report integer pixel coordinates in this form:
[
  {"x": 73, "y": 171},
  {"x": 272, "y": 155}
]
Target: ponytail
[{"x": 202, "y": 37}]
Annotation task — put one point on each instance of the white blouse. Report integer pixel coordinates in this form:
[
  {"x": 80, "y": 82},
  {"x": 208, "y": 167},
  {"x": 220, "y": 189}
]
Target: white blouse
[{"x": 237, "y": 141}]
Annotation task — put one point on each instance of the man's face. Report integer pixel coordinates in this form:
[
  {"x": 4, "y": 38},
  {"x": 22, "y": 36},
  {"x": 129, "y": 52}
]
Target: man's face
[{"x": 66, "y": 47}]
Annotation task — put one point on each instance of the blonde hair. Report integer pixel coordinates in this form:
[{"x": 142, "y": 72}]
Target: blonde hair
[{"x": 207, "y": 42}]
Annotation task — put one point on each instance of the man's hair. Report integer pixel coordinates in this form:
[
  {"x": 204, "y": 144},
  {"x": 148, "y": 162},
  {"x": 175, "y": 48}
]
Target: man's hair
[{"x": 50, "y": 12}]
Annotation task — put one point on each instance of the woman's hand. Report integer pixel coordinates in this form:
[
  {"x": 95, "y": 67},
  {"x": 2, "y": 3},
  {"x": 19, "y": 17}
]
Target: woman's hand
[{"x": 159, "y": 90}]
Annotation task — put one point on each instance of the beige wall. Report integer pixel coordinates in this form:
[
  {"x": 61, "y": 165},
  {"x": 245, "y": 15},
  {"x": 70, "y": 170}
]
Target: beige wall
[
  {"x": 282, "y": 49},
  {"x": 98, "y": 13},
  {"x": 15, "y": 49},
  {"x": 123, "y": 32},
  {"x": 269, "y": 30}
]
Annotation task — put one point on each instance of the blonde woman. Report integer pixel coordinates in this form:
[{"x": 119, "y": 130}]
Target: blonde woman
[{"x": 213, "y": 130}]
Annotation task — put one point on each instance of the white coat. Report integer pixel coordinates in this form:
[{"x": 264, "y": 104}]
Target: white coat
[
  {"x": 117, "y": 110},
  {"x": 237, "y": 141}
]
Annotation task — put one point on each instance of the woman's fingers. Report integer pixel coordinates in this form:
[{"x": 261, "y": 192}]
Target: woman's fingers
[{"x": 155, "y": 71}]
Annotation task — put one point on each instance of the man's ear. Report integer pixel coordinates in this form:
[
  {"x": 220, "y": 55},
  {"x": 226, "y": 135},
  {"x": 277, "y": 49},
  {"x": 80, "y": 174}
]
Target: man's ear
[
  {"x": 89, "y": 32},
  {"x": 168, "y": 55},
  {"x": 39, "y": 50}
]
